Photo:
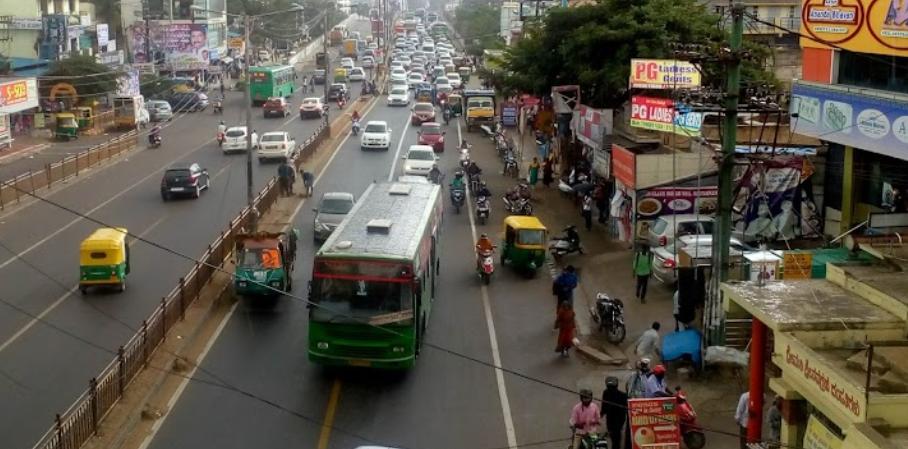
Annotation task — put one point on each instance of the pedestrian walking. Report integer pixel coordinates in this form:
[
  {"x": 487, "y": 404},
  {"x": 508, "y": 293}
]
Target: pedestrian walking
[
  {"x": 308, "y": 181},
  {"x": 676, "y": 309},
  {"x": 533, "y": 172},
  {"x": 548, "y": 170},
  {"x": 586, "y": 210},
  {"x": 563, "y": 286},
  {"x": 643, "y": 269},
  {"x": 285, "y": 178},
  {"x": 565, "y": 323},
  {"x": 222, "y": 88},
  {"x": 741, "y": 417},
  {"x": 255, "y": 139},
  {"x": 647, "y": 346},
  {"x": 774, "y": 419},
  {"x": 614, "y": 410}
]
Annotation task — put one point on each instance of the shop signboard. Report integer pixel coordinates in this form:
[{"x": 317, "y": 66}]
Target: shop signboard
[
  {"x": 879, "y": 26},
  {"x": 654, "y": 423},
  {"x": 509, "y": 113},
  {"x": 592, "y": 124},
  {"x": 5, "y": 136},
  {"x": 624, "y": 166},
  {"x": 102, "y": 31},
  {"x": 663, "y": 74},
  {"x": 18, "y": 95},
  {"x": 797, "y": 265},
  {"x": 852, "y": 117},
  {"x": 661, "y": 114},
  {"x": 660, "y": 201},
  {"x": 235, "y": 43},
  {"x": 818, "y": 436},
  {"x": 26, "y": 23}
]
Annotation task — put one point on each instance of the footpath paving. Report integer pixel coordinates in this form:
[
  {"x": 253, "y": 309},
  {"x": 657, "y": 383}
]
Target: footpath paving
[{"x": 33, "y": 153}]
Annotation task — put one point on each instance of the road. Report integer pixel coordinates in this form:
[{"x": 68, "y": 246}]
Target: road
[
  {"x": 53, "y": 340},
  {"x": 451, "y": 399}
]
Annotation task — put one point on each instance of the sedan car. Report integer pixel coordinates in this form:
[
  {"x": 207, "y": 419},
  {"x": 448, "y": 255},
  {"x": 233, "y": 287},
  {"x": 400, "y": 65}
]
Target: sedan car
[
  {"x": 368, "y": 62},
  {"x": 398, "y": 74},
  {"x": 442, "y": 80},
  {"x": 431, "y": 134},
  {"x": 184, "y": 180},
  {"x": 159, "y": 110},
  {"x": 276, "y": 106},
  {"x": 664, "y": 257},
  {"x": 419, "y": 160},
  {"x": 421, "y": 113},
  {"x": 347, "y": 63},
  {"x": 376, "y": 134},
  {"x": 276, "y": 145},
  {"x": 356, "y": 74},
  {"x": 398, "y": 96},
  {"x": 454, "y": 79},
  {"x": 331, "y": 210},
  {"x": 188, "y": 101},
  {"x": 312, "y": 107}
]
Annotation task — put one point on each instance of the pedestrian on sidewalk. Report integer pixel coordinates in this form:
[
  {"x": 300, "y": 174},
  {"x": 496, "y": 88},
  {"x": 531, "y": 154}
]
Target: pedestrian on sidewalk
[
  {"x": 774, "y": 420},
  {"x": 600, "y": 194},
  {"x": 548, "y": 170},
  {"x": 647, "y": 346},
  {"x": 563, "y": 286},
  {"x": 741, "y": 417},
  {"x": 586, "y": 210},
  {"x": 614, "y": 410},
  {"x": 533, "y": 172},
  {"x": 565, "y": 323},
  {"x": 285, "y": 178},
  {"x": 643, "y": 269}
]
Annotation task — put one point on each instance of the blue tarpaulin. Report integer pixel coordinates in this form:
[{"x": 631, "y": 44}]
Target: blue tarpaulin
[{"x": 677, "y": 344}]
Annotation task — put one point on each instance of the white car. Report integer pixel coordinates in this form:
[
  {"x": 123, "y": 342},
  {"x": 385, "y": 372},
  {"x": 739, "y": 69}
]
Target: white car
[
  {"x": 454, "y": 80},
  {"x": 235, "y": 139},
  {"x": 441, "y": 80},
  {"x": 347, "y": 63},
  {"x": 414, "y": 78},
  {"x": 376, "y": 134},
  {"x": 368, "y": 62},
  {"x": 356, "y": 74},
  {"x": 276, "y": 145},
  {"x": 398, "y": 74},
  {"x": 312, "y": 107},
  {"x": 419, "y": 160},
  {"x": 665, "y": 264},
  {"x": 398, "y": 96}
]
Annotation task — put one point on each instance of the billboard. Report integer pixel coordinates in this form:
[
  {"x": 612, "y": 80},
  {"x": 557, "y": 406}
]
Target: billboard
[
  {"x": 184, "y": 45},
  {"x": 663, "y": 74},
  {"x": 661, "y": 114},
  {"x": 851, "y": 117},
  {"x": 654, "y": 423},
  {"x": 878, "y": 26},
  {"x": 18, "y": 95}
]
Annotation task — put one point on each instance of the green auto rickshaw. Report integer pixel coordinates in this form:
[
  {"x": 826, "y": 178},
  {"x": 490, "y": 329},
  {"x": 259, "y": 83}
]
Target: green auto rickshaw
[
  {"x": 67, "y": 127},
  {"x": 104, "y": 259},
  {"x": 265, "y": 262},
  {"x": 524, "y": 243},
  {"x": 464, "y": 74}
]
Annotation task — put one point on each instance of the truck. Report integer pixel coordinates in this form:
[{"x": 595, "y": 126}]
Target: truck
[
  {"x": 129, "y": 111},
  {"x": 478, "y": 107},
  {"x": 350, "y": 48},
  {"x": 264, "y": 263},
  {"x": 337, "y": 35}
]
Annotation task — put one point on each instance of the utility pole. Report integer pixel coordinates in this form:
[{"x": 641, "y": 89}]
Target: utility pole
[
  {"x": 327, "y": 57},
  {"x": 145, "y": 13},
  {"x": 250, "y": 195}
]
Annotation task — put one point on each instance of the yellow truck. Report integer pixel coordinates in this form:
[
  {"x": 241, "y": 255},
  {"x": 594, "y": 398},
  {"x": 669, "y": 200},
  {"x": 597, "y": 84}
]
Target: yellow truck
[
  {"x": 478, "y": 107},
  {"x": 350, "y": 48}
]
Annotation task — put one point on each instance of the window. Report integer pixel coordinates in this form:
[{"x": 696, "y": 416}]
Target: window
[
  {"x": 98, "y": 255},
  {"x": 873, "y": 71}
]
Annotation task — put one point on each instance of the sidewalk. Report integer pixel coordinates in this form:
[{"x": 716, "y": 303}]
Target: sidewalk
[{"x": 33, "y": 153}]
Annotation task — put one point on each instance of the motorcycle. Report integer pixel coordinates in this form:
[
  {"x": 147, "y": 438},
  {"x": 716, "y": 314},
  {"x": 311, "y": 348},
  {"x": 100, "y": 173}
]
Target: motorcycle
[
  {"x": 446, "y": 113},
  {"x": 592, "y": 440},
  {"x": 567, "y": 183},
  {"x": 518, "y": 205},
  {"x": 457, "y": 198},
  {"x": 465, "y": 157},
  {"x": 155, "y": 140},
  {"x": 567, "y": 243},
  {"x": 218, "y": 107},
  {"x": 691, "y": 431},
  {"x": 355, "y": 128},
  {"x": 609, "y": 314},
  {"x": 483, "y": 209},
  {"x": 221, "y": 138},
  {"x": 485, "y": 266},
  {"x": 510, "y": 167}
]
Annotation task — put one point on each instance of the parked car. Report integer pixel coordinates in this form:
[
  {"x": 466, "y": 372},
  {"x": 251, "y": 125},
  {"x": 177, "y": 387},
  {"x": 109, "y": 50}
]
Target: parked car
[
  {"x": 665, "y": 264},
  {"x": 235, "y": 139},
  {"x": 664, "y": 230},
  {"x": 319, "y": 76},
  {"x": 188, "y": 101},
  {"x": 421, "y": 113},
  {"x": 331, "y": 210},
  {"x": 159, "y": 110},
  {"x": 312, "y": 107},
  {"x": 276, "y": 145},
  {"x": 184, "y": 180},
  {"x": 398, "y": 96},
  {"x": 431, "y": 134},
  {"x": 276, "y": 106},
  {"x": 376, "y": 134},
  {"x": 419, "y": 160}
]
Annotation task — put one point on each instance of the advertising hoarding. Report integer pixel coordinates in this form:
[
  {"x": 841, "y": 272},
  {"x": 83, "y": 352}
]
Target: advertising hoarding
[
  {"x": 663, "y": 74},
  {"x": 878, "y": 26},
  {"x": 662, "y": 114},
  {"x": 624, "y": 166},
  {"x": 18, "y": 95},
  {"x": 654, "y": 423}
]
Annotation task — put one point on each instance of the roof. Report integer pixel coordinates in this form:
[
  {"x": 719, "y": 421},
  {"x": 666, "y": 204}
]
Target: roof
[
  {"x": 407, "y": 214},
  {"x": 105, "y": 238},
  {"x": 525, "y": 222}
]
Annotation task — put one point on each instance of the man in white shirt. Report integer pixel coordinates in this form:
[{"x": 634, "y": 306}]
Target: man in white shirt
[
  {"x": 648, "y": 344},
  {"x": 741, "y": 416}
]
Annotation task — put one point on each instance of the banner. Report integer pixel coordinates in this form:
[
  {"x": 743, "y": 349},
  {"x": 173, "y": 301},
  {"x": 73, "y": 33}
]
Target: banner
[
  {"x": 818, "y": 436},
  {"x": 101, "y": 31},
  {"x": 18, "y": 95},
  {"x": 591, "y": 125},
  {"x": 774, "y": 205},
  {"x": 624, "y": 166},
  {"x": 878, "y": 26},
  {"x": 654, "y": 423},
  {"x": 663, "y": 74},
  {"x": 659, "y": 114},
  {"x": 185, "y": 45},
  {"x": 660, "y": 201}
]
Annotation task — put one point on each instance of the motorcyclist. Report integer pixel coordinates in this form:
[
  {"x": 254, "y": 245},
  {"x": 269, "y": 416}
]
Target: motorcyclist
[
  {"x": 655, "y": 383},
  {"x": 464, "y": 145},
  {"x": 355, "y": 116},
  {"x": 573, "y": 237},
  {"x": 154, "y": 135},
  {"x": 483, "y": 191},
  {"x": 584, "y": 417},
  {"x": 222, "y": 128},
  {"x": 457, "y": 183},
  {"x": 473, "y": 169},
  {"x": 483, "y": 246},
  {"x": 435, "y": 174}
]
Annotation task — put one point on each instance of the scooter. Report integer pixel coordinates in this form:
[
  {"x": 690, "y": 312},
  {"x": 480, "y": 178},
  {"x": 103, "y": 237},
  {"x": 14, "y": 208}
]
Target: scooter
[
  {"x": 446, "y": 113},
  {"x": 691, "y": 431},
  {"x": 457, "y": 198},
  {"x": 567, "y": 243},
  {"x": 465, "y": 158},
  {"x": 355, "y": 128},
  {"x": 218, "y": 107},
  {"x": 483, "y": 209},
  {"x": 591, "y": 440},
  {"x": 609, "y": 313},
  {"x": 485, "y": 266},
  {"x": 155, "y": 140},
  {"x": 510, "y": 167}
]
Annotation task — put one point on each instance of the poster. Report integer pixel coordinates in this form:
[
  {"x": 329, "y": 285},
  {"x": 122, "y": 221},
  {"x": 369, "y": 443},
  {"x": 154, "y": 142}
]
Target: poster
[
  {"x": 774, "y": 204},
  {"x": 797, "y": 265},
  {"x": 185, "y": 45},
  {"x": 102, "y": 32},
  {"x": 662, "y": 114},
  {"x": 654, "y": 423},
  {"x": 818, "y": 436},
  {"x": 509, "y": 112},
  {"x": 660, "y": 201}
]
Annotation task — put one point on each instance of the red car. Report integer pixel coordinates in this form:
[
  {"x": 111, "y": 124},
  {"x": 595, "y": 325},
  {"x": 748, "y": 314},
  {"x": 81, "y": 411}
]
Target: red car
[
  {"x": 422, "y": 113},
  {"x": 430, "y": 133},
  {"x": 276, "y": 106}
]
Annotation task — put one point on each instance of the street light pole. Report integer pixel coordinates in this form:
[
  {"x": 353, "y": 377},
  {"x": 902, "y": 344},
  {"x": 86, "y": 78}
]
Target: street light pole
[
  {"x": 247, "y": 96},
  {"x": 327, "y": 56}
]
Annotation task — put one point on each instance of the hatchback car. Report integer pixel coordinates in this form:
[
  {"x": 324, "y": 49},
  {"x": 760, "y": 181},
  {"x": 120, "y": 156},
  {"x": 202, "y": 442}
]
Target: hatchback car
[
  {"x": 312, "y": 107},
  {"x": 398, "y": 74},
  {"x": 368, "y": 62},
  {"x": 276, "y": 107},
  {"x": 235, "y": 139},
  {"x": 347, "y": 63},
  {"x": 664, "y": 230},
  {"x": 188, "y": 101},
  {"x": 419, "y": 160},
  {"x": 337, "y": 91},
  {"x": 398, "y": 96},
  {"x": 431, "y": 134},
  {"x": 356, "y": 74},
  {"x": 665, "y": 263},
  {"x": 414, "y": 78},
  {"x": 454, "y": 79},
  {"x": 276, "y": 145},
  {"x": 331, "y": 210},
  {"x": 184, "y": 180},
  {"x": 421, "y": 113},
  {"x": 376, "y": 134},
  {"x": 159, "y": 110}
]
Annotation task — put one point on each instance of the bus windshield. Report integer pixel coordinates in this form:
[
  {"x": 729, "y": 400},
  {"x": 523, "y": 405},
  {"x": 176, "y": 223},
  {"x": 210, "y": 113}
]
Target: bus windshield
[{"x": 360, "y": 292}]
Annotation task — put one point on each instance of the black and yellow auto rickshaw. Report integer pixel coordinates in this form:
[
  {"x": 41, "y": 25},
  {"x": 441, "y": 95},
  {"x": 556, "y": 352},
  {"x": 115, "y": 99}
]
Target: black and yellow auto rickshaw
[
  {"x": 456, "y": 103},
  {"x": 464, "y": 74},
  {"x": 104, "y": 259},
  {"x": 423, "y": 95},
  {"x": 67, "y": 127},
  {"x": 524, "y": 243}
]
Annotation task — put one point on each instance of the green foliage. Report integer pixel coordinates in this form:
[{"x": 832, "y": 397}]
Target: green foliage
[
  {"x": 478, "y": 24},
  {"x": 89, "y": 77},
  {"x": 592, "y": 46}
]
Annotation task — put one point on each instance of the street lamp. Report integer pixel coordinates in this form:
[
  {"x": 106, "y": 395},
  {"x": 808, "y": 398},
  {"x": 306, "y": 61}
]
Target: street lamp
[{"x": 247, "y": 58}]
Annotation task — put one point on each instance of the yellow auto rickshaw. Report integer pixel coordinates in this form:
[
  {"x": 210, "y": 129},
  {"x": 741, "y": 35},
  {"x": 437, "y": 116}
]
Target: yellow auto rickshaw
[
  {"x": 67, "y": 127},
  {"x": 464, "y": 74},
  {"x": 104, "y": 259},
  {"x": 524, "y": 243},
  {"x": 340, "y": 75},
  {"x": 85, "y": 117}
]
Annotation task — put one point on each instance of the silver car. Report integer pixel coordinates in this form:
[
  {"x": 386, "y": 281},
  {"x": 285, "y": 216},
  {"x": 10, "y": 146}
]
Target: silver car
[
  {"x": 331, "y": 210},
  {"x": 159, "y": 110},
  {"x": 665, "y": 258}
]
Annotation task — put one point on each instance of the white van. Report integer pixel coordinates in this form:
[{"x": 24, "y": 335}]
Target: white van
[{"x": 235, "y": 139}]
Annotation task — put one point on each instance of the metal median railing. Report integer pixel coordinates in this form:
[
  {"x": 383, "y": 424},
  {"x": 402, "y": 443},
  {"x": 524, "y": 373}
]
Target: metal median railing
[
  {"x": 74, "y": 427},
  {"x": 12, "y": 191}
]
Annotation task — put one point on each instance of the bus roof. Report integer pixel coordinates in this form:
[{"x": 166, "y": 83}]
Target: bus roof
[
  {"x": 387, "y": 222},
  {"x": 269, "y": 68}
]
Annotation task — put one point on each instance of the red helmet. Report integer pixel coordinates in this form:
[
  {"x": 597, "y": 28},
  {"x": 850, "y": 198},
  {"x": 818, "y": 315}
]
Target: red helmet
[{"x": 659, "y": 370}]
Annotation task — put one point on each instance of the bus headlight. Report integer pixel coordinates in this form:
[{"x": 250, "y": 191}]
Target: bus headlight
[
  {"x": 322, "y": 345},
  {"x": 398, "y": 349}
]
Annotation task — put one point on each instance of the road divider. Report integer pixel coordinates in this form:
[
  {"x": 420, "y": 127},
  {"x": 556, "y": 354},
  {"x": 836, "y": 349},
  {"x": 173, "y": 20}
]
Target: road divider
[{"x": 23, "y": 186}]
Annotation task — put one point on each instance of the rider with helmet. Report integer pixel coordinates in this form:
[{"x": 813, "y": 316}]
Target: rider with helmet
[
  {"x": 584, "y": 417},
  {"x": 435, "y": 174},
  {"x": 636, "y": 383},
  {"x": 614, "y": 410},
  {"x": 483, "y": 190},
  {"x": 222, "y": 129},
  {"x": 655, "y": 383},
  {"x": 484, "y": 246},
  {"x": 457, "y": 183}
]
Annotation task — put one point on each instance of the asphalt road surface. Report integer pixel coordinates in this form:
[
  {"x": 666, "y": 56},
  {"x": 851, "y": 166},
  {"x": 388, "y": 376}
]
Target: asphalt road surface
[{"x": 52, "y": 339}]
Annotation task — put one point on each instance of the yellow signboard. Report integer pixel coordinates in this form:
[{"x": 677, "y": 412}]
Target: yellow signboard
[
  {"x": 235, "y": 42},
  {"x": 870, "y": 26},
  {"x": 797, "y": 265},
  {"x": 818, "y": 436}
]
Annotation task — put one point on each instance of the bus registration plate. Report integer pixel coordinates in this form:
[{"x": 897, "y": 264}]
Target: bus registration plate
[{"x": 363, "y": 363}]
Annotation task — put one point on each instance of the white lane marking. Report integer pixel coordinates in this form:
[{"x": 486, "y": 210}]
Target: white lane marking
[
  {"x": 40, "y": 317},
  {"x": 403, "y": 135},
  {"x": 509, "y": 430}
]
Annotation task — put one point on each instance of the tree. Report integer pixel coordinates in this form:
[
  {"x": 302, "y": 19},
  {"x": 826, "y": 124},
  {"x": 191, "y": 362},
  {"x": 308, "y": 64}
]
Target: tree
[
  {"x": 592, "y": 46},
  {"x": 478, "y": 25},
  {"x": 90, "y": 78}
]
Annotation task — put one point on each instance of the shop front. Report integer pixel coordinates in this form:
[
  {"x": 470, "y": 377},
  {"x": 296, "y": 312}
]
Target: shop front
[{"x": 18, "y": 103}]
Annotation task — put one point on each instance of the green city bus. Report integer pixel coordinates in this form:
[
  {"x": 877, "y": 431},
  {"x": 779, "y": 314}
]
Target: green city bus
[
  {"x": 375, "y": 278},
  {"x": 270, "y": 81}
]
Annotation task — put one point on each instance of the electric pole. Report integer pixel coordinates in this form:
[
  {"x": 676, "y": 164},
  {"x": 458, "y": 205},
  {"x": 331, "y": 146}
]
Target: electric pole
[
  {"x": 327, "y": 57},
  {"x": 250, "y": 194}
]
